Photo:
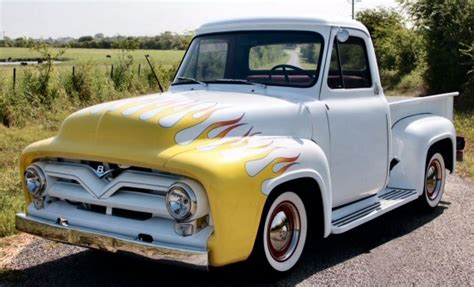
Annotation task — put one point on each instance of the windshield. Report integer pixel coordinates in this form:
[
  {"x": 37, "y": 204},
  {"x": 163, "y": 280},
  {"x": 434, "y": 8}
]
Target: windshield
[{"x": 283, "y": 58}]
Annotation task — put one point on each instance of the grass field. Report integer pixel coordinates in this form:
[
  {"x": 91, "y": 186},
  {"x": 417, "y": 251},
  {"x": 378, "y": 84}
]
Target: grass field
[
  {"x": 464, "y": 123},
  {"x": 98, "y": 56},
  {"x": 12, "y": 142}
]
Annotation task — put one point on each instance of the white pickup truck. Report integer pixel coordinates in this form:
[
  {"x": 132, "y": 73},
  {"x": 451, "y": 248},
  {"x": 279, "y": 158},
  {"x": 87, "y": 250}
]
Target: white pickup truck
[{"x": 273, "y": 129}]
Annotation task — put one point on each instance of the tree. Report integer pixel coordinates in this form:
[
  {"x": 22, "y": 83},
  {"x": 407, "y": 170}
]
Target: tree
[
  {"x": 85, "y": 39},
  {"x": 122, "y": 75},
  {"x": 397, "y": 47},
  {"x": 469, "y": 87},
  {"x": 46, "y": 70},
  {"x": 447, "y": 27}
]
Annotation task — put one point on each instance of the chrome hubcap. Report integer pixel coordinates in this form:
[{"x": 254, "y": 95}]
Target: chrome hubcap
[
  {"x": 434, "y": 177},
  {"x": 284, "y": 231}
]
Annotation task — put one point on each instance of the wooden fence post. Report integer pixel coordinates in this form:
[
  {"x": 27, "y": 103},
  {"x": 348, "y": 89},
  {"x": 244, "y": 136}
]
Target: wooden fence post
[
  {"x": 73, "y": 71},
  {"x": 14, "y": 78},
  {"x": 139, "y": 68},
  {"x": 112, "y": 71}
]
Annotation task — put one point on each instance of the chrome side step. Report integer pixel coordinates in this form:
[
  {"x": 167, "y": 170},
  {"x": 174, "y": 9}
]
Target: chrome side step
[{"x": 353, "y": 215}]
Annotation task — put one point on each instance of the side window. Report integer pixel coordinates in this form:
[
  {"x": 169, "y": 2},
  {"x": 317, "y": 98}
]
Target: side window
[
  {"x": 335, "y": 76},
  {"x": 349, "y": 67}
]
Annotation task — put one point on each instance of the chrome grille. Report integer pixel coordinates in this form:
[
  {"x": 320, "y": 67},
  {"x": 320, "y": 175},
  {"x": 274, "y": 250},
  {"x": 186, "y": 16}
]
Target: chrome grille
[{"x": 125, "y": 189}]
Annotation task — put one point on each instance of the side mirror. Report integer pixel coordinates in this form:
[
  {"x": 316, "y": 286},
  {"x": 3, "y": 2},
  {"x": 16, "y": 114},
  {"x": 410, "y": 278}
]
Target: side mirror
[{"x": 342, "y": 35}]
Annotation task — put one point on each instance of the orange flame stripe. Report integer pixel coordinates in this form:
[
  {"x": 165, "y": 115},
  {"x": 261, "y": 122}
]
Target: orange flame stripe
[{"x": 227, "y": 130}]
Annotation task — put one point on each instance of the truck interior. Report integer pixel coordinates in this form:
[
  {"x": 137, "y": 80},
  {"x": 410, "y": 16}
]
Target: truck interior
[{"x": 281, "y": 58}]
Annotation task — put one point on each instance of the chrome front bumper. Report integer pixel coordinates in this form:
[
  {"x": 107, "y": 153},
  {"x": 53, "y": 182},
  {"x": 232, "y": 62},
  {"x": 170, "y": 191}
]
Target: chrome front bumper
[{"x": 113, "y": 243}]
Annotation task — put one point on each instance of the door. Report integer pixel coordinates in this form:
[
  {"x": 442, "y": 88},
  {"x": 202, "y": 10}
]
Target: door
[{"x": 358, "y": 120}]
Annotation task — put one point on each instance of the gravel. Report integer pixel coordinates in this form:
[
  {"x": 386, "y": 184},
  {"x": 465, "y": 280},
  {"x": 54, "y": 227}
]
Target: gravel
[{"x": 403, "y": 247}]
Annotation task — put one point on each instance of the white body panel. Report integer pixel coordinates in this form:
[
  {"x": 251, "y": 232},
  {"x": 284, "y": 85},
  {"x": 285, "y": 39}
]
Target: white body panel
[
  {"x": 441, "y": 105},
  {"x": 412, "y": 137},
  {"x": 359, "y": 132},
  {"x": 294, "y": 23}
]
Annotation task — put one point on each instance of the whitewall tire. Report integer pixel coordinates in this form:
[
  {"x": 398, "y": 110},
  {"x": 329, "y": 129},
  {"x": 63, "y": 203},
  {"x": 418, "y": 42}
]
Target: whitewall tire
[
  {"x": 435, "y": 178},
  {"x": 284, "y": 231}
]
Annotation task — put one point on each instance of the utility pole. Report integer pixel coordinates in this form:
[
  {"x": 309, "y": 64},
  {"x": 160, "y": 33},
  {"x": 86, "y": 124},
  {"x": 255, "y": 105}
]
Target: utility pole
[
  {"x": 353, "y": 14},
  {"x": 353, "y": 7}
]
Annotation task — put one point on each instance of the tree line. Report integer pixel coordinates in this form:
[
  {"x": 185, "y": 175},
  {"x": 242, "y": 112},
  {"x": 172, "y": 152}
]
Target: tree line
[
  {"x": 428, "y": 44},
  {"x": 164, "y": 41}
]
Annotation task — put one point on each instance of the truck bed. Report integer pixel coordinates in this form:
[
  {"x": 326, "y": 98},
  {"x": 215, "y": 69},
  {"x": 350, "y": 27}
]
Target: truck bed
[{"x": 402, "y": 107}]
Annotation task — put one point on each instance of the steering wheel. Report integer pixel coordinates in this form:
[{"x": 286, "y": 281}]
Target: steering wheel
[{"x": 286, "y": 66}]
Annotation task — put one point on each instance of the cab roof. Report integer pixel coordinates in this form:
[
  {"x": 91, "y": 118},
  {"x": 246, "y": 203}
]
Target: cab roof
[{"x": 284, "y": 23}]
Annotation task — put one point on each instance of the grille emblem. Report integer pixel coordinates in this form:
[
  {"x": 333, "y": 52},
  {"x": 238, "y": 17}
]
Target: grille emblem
[{"x": 101, "y": 171}]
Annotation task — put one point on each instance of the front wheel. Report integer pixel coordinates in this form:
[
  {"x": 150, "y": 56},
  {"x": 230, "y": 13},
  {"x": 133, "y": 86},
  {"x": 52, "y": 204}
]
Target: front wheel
[
  {"x": 283, "y": 234},
  {"x": 435, "y": 178}
]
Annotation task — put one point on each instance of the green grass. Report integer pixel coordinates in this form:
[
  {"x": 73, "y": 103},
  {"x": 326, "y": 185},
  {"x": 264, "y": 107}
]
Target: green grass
[
  {"x": 93, "y": 57},
  {"x": 465, "y": 127},
  {"x": 99, "y": 56},
  {"x": 12, "y": 141}
]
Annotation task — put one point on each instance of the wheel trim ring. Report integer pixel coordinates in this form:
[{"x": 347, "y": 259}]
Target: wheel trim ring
[
  {"x": 278, "y": 253},
  {"x": 433, "y": 180},
  {"x": 295, "y": 226}
]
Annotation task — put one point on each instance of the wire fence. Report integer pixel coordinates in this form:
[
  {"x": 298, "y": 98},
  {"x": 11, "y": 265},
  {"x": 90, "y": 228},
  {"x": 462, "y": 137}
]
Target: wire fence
[{"x": 109, "y": 68}]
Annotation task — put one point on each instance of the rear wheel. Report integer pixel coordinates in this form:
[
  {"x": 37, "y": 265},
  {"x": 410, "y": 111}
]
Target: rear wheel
[
  {"x": 283, "y": 234},
  {"x": 435, "y": 178}
]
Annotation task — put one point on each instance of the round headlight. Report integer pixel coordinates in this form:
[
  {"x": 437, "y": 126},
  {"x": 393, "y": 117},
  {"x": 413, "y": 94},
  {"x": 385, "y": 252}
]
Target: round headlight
[
  {"x": 35, "y": 180},
  {"x": 180, "y": 201}
]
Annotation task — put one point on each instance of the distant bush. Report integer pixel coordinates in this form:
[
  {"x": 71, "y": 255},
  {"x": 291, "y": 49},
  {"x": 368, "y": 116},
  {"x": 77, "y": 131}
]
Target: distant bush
[
  {"x": 262, "y": 57},
  {"x": 82, "y": 84},
  {"x": 447, "y": 27},
  {"x": 399, "y": 49},
  {"x": 15, "y": 108},
  {"x": 311, "y": 52},
  {"x": 412, "y": 84},
  {"x": 164, "y": 41},
  {"x": 66, "y": 91},
  {"x": 4, "y": 102}
]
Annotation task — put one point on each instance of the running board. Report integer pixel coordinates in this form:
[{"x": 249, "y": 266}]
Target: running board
[{"x": 355, "y": 214}]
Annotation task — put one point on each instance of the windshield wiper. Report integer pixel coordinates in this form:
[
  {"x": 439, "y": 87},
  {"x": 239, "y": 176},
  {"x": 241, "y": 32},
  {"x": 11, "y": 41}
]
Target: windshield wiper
[
  {"x": 241, "y": 81},
  {"x": 192, "y": 80}
]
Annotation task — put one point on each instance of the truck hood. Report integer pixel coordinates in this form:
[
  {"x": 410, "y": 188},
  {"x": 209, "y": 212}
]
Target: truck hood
[{"x": 165, "y": 125}]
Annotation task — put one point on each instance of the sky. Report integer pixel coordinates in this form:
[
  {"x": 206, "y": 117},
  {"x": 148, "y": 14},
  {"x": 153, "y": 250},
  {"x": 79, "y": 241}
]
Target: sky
[{"x": 66, "y": 18}]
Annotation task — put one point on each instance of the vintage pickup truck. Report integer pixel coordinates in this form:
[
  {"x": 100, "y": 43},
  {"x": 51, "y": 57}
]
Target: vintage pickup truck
[{"x": 272, "y": 130}]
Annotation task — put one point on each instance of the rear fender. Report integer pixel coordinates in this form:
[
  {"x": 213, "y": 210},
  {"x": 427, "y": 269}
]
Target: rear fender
[{"x": 412, "y": 137}]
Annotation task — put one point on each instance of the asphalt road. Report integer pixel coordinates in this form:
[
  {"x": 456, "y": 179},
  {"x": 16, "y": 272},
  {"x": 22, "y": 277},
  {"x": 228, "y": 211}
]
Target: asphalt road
[
  {"x": 404, "y": 247},
  {"x": 294, "y": 57}
]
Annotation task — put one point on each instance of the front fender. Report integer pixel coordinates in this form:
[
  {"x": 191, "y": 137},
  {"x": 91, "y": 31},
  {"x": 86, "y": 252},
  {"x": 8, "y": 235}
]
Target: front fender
[
  {"x": 315, "y": 165},
  {"x": 238, "y": 174},
  {"x": 411, "y": 139}
]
